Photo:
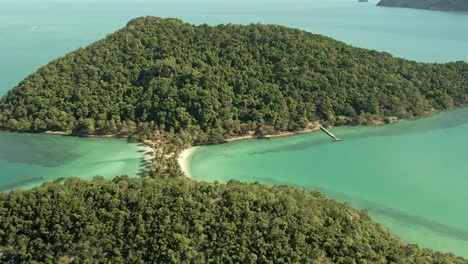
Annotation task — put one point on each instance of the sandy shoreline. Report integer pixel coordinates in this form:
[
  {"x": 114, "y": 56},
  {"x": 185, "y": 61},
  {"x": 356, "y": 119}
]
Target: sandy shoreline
[
  {"x": 183, "y": 160},
  {"x": 277, "y": 135},
  {"x": 184, "y": 156},
  {"x": 149, "y": 153},
  {"x": 288, "y": 134},
  {"x": 63, "y": 133}
]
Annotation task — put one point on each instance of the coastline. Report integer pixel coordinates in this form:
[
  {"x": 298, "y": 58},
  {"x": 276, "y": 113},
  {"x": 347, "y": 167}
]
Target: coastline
[
  {"x": 184, "y": 156},
  {"x": 183, "y": 160},
  {"x": 276, "y": 135},
  {"x": 149, "y": 153},
  {"x": 186, "y": 153},
  {"x": 63, "y": 133},
  {"x": 288, "y": 134}
]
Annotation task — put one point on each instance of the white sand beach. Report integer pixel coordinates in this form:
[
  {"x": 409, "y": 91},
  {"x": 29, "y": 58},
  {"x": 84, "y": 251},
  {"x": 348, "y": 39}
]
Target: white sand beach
[{"x": 184, "y": 159}]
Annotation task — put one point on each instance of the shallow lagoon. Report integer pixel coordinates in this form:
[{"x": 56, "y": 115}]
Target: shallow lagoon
[
  {"x": 410, "y": 176},
  {"x": 27, "y": 160}
]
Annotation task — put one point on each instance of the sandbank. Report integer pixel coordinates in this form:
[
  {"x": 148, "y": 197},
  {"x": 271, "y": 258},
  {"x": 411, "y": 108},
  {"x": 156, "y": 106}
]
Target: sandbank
[{"x": 184, "y": 160}]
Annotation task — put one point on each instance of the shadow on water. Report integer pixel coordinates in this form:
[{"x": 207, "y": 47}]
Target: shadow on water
[
  {"x": 440, "y": 121},
  {"x": 35, "y": 149},
  {"x": 379, "y": 209},
  {"x": 117, "y": 161},
  {"x": 293, "y": 147},
  {"x": 143, "y": 169},
  {"x": 143, "y": 164},
  {"x": 400, "y": 216},
  {"x": 11, "y": 186},
  {"x": 43, "y": 158}
]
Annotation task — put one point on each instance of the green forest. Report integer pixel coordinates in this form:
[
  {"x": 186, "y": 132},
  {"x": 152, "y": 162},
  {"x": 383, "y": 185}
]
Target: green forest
[
  {"x": 179, "y": 221},
  {"x": 171, "y": 85},
  {"x": 215, "y": 82}
]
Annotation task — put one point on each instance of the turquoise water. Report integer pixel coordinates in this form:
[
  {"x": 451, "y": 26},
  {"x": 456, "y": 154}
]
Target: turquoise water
[
  {"x": 410, "y": 181},
  {"x": 33, "y": 32},
  {"x": 29, "y": 160},
  {"x": 410, "y": 176}
]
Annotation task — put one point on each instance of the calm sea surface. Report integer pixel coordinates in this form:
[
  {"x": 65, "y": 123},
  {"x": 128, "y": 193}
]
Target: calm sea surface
[
  {"x": 410, "y": 176},
  {"x": 27, "y": 160}
]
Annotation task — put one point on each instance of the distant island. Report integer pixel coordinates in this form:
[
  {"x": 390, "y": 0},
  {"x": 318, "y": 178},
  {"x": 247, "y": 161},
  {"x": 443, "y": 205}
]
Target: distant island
[{"x": 443, "y": 5}]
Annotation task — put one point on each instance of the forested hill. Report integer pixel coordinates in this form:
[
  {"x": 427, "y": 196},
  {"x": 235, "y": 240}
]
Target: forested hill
[
  {"x": 447, "y": 5},
  {"x": 179, "y": 221},
  {"x": 219, "y": 81}
]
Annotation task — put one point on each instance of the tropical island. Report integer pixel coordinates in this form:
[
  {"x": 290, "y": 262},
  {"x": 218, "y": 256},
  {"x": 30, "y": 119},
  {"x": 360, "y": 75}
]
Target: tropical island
[
  {"x": 443, "y": 5},
  {"x": 172, "y": 85}
]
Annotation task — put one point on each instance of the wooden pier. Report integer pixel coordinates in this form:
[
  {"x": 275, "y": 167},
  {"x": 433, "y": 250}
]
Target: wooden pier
[{"x": 334, "y": 138}]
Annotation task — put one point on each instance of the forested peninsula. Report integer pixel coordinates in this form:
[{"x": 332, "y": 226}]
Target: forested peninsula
[
  {"x": 180, "y": 221},
  {"x": 170, "y": 84},
  {"x": 220, "y": 81},
  {"x": 443, "y": 5}
]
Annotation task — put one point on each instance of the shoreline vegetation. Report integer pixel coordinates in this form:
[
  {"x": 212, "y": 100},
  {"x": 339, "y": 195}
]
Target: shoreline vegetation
[
  {"x": 252, "y": 135},
  {"x": 184, "y": 155},
  {"x": 88, "y": 221},
  {"x": 63, "y": 133},
  {"x": 170, "y": 85}
]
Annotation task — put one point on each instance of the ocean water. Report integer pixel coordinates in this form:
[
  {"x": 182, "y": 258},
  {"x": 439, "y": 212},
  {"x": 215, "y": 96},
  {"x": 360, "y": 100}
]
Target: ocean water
[
  {"x": 33, "y": 32},
  {"x": 409, "y": 176},
  {"x": 28, "y": 160}
]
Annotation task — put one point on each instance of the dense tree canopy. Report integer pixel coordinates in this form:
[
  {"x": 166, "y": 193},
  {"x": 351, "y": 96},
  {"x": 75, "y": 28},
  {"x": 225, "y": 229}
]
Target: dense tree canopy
[
  {"x": 179, "y": 221},
  {"x": 219, "y": 81}
]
